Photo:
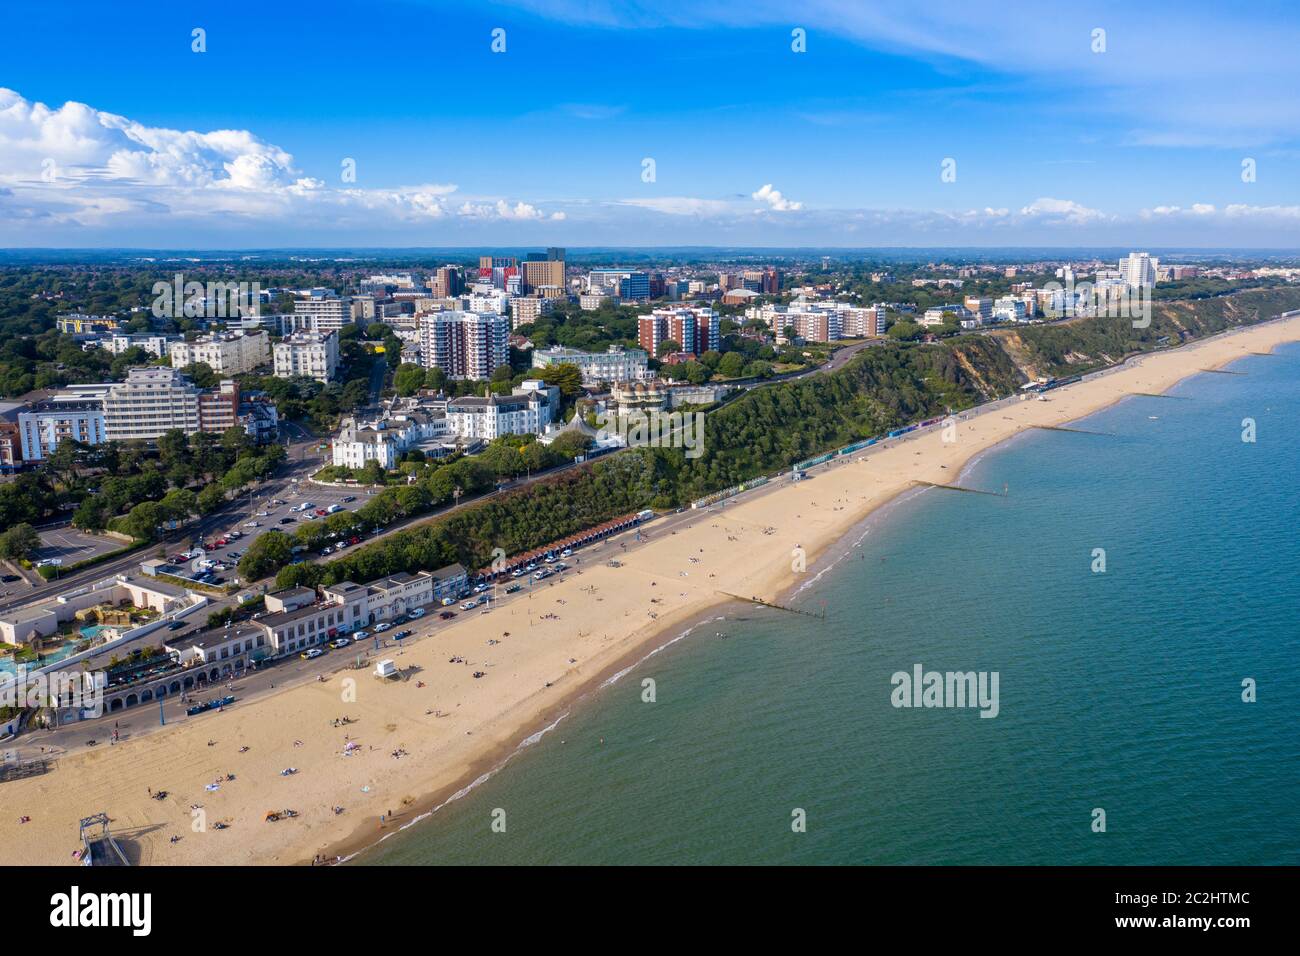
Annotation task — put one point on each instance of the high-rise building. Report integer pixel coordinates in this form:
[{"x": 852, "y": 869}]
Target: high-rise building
[
  {"x": 695, "y": 330},
  {"x": 1139, "y": 269},
  {"x": 538, "y": 272},
  {"x": 465, "y": 344},
  {"x": 325, "y": 313},
  {"x": 151, "y": 401},
  {"x": 448, "y": 282}
]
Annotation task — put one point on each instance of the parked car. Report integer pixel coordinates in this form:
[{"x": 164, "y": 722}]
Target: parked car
[
  {"x": 447, "y": 615},
  {"x": 334, "y": 509},
  {"x": 311, "y": 655},
  {"x": 513, "y": 588},
  {"x": 176, "y": 625},
  {"x": 566, "y": 552},
  {"x": 469, "y": 605},
  {"x": 417, "y": 612},
  {"x": 340, "y": 642},
  {"x": 360, "y": 636},
  {"x": 287, "y": 520},
  {"x": 381, "y": 627},
  {"x": 252, "y": 524},
  {"x": 518, "y": 573},
  {"x": 480, "y": 588},
  {"x": 401, "y": 634}
]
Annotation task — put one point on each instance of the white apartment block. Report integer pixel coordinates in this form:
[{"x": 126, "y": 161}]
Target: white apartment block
[
  {"x": 119, "y": 342},
  {"x": 528, "y": 410},
  {"x": 1009, "y": 309},
  {"x": 309, "y": 354},
  {"x": 616, "y": 365},
  {"x": 226, "y": 353},
  {"x": 935, "y": 314},
  {"x": 465, "y": 345},
  {"x": 323, "y": 313},
  {"x": 1139, "y": 269},
  {"x": 151, "y": 401}
]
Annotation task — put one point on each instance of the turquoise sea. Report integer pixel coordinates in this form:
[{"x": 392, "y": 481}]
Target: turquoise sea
[{"x": 1119, "y": 690}]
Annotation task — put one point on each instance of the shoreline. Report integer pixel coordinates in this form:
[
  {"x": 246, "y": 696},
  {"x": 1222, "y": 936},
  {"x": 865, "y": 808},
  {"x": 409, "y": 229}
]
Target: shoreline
[{"x": 554, "y": 667}]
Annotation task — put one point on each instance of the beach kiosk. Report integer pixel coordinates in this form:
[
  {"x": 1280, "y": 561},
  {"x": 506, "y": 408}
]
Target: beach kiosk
[{"x": 386, "y": 668}]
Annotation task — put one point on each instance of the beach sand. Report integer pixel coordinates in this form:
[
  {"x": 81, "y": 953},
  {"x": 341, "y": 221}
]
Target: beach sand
[{"x": 562, "y": 642}]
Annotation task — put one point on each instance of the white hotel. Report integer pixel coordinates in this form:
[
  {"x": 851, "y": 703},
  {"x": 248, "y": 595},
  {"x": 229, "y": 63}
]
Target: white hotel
[
  {"x": 527, "y": 411},
  {"x": 616, "y": 365}
]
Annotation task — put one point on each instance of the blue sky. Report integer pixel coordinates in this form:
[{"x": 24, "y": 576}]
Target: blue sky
[{"x": 1054, "y": 141}]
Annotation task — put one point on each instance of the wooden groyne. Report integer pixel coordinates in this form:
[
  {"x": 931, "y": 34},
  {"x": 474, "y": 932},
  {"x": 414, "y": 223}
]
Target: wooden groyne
[
  {"x": 776, "y": 607},
  {"x": 1221, "y": 371},
  {"x": 1181, "y": 398},
  {"x": 970, "y": 491}
]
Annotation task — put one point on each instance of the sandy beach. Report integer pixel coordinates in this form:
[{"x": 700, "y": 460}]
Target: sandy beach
[{"x": 417, "y": 741}]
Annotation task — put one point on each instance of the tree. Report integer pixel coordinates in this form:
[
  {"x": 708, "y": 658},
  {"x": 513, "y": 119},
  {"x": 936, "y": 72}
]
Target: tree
[
  {"x": 408, "y": 379},
  {"x": 667, "y": 347},
  {"x": 731, "y": 365},
  {"x": 269, "y": 552},
  {"x": 19, "y": 541},
  {"x": 566, "y": 376}
]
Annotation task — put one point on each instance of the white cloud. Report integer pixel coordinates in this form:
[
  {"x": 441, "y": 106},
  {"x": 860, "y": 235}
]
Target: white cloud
[
  {"x": 682, "y": 205},
  {"x": 1063, "y": 211},
  {"x": 78, "y": 166},
  {"x": 775, "y": 200}
]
